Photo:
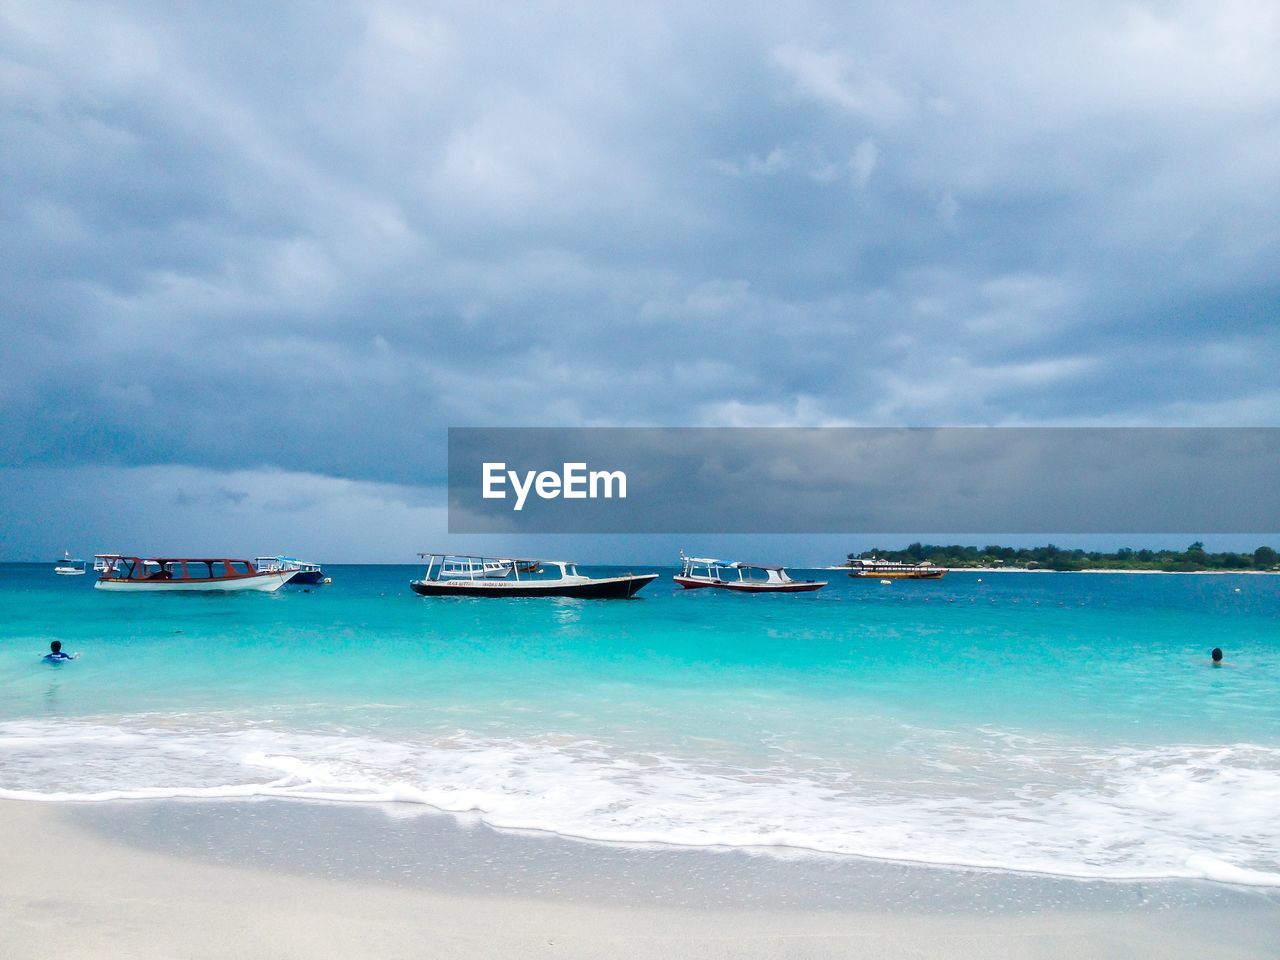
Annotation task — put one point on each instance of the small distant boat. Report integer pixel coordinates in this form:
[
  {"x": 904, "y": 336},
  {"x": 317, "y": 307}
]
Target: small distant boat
[
  {"x": 68, "y": 566},
  {"x": 184, "y": 574},
  {"x": 877, "y": 569},
  {"x": 303, "y": 572},
  {"x": 460, "y": 575},
  {"x": 698, "y": 572}
]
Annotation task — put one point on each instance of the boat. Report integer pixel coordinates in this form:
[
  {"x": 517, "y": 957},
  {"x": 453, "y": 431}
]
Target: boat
[
  {"x": 305, "y": 573},
  {"x": 697, "y": 572},
  {"x": 184, "y": 574},
  {"x": 877, "y": 569},
  {"x": 462, "y": 575},
  {"x": 68, "y": 566}
]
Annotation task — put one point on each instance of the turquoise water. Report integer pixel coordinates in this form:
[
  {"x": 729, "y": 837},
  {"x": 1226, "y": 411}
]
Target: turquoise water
[{"x": 1061, "y": 723}]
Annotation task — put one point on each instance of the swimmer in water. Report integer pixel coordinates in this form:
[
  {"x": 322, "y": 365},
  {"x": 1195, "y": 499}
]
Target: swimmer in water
[
  {"x": 1216, "y": 654},
  {"x": 55, "y": 654}
]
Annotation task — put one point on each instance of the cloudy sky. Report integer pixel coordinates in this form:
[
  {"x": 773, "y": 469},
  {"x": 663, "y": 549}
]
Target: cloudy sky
[{"x": 257, "y": 258}]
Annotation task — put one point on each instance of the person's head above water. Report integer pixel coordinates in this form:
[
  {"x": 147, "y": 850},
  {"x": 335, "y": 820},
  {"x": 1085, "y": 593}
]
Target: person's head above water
[
  {"x": 55, "y": 646},
  {"x": 1216, "y": 653}
]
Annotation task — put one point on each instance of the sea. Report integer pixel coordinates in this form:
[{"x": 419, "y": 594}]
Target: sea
[{"x": 1065, "y": 724}]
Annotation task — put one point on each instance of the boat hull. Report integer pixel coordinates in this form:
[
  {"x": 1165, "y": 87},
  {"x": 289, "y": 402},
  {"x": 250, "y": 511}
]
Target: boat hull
[
  {"x": 307, "y": 577},
  {"x": 606, "y": 588},
  {"x": 262, "y": 582},
  {"x": 899, "y": 575},
  {"x": 794, "y": 586},
  {"x": 696, "y": 583},
  {"x": 69, "y": 573}
]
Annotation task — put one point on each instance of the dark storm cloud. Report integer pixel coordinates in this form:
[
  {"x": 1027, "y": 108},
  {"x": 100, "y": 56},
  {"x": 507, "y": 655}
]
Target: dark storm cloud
[{"x": 311, "y": 238}]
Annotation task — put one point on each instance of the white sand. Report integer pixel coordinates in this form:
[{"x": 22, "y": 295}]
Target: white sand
[{"x": 67, "y": 893}]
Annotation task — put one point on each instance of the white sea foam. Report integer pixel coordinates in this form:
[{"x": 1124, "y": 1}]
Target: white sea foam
[{"x": 1126, "y": 813}]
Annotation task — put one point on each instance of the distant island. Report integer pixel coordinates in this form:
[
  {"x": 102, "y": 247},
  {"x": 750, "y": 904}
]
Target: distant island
[{"x": 1191, "y": 560}]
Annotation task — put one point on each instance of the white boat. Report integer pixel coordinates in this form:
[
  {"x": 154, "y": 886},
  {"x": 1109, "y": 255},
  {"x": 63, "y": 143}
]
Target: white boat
[
  {"x": 875, "y": 568},
  {"x": 696, "y": 572},
  {"x": 69, "y": 566},
  {"x": 304, "y": 572},
  {"x": 447, "y": 576},
  {"x": 184, "y": 575}
]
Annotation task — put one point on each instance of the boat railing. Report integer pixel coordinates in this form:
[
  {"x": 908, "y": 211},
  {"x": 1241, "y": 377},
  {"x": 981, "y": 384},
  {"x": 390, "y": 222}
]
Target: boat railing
[{"x": 459, "y": 566}]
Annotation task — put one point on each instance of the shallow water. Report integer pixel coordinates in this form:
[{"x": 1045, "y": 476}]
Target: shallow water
[{"x": 1059, "y": 723}]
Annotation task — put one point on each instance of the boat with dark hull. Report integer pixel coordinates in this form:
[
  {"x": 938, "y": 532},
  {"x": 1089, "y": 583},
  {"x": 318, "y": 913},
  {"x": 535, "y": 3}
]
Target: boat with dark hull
[
  {"x": 699, "y": 572},
  {"x": 305, "y": 573},
  {"x": 455, "y": 575}
]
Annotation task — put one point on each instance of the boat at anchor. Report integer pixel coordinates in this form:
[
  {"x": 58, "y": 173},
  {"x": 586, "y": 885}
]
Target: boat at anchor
[
  {"x": 696, "y": 572},
  {"x": 69, "y": 566},
  {"x": 304, "y": 572},
  {"x": 183, "y": 574},
  {"x": 461, "y": 575},
  {"x": 874, "y": 568}
]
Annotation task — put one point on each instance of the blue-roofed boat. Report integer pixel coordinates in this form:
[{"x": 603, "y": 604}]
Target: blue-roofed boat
[{"x": 303, "y": 572}]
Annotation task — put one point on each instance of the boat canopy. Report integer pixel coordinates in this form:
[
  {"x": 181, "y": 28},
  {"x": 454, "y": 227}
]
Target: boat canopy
[
  {"x": 466, "y": 566},
  {"x": 483, "y": 557},
  {"x": 126, "y": 556},
  {"x": 125, "y": 566},
  {"x": 288, "y": 563}
]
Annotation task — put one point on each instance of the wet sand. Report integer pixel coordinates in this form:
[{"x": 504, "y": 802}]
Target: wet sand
[{"x": 270, "y": 878}]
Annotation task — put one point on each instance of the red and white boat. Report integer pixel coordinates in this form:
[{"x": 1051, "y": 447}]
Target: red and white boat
[
  {"x": 184, "y": 574},
  {"x": 698, "y": 572}
]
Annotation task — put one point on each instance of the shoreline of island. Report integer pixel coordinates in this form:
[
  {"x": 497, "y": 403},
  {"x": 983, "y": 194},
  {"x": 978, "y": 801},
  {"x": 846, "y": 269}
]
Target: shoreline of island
[{"x": 1038, "y": 570}]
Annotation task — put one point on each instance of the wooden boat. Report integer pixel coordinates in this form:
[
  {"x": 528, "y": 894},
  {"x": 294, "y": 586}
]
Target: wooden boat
[
  {"x": 877, "y": 569},
  {"x": 184, "y": 574},
  {"x": 460, "y": 575},
  {"x": 696, "y": 572}
]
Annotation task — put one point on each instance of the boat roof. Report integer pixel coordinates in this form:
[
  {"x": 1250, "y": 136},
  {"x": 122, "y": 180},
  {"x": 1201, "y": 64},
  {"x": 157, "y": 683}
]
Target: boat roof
[
  {"x": 737, "y": 564},
  {"x": 127, "y": 556},
  {"x": 485, "y": 556}
]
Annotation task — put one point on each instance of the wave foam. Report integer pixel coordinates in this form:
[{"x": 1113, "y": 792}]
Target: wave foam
[{"x": 1184, "y": 812}]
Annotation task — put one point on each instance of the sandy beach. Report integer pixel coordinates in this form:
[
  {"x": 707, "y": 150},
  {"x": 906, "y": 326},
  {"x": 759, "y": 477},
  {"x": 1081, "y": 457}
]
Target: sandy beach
[{"x": 171, "y": 888}]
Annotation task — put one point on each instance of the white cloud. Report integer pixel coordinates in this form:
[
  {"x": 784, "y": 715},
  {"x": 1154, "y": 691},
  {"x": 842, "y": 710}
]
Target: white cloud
[
  {"x": 194, "y": 511},
  {"x": 863, "y": 162},
  {"x": 832, "y": 77}
]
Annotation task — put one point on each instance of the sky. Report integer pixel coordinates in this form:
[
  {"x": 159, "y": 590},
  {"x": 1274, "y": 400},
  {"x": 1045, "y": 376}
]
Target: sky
[{"x": 257, "y": 258}]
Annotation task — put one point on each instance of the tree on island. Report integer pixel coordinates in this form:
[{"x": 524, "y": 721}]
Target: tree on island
[{"x": 1052, "y": 557}]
